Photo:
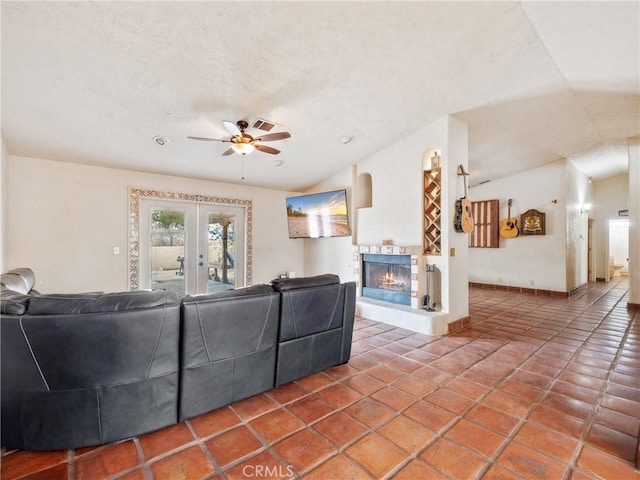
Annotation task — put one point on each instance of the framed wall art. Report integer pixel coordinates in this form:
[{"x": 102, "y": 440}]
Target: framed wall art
[{"x": 532, "y": 222}]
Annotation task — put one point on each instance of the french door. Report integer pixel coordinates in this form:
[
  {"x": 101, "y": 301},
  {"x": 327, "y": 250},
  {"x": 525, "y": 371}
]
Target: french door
[{"x": 191, "y": 248}]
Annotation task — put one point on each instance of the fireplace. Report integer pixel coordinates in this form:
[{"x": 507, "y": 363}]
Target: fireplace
[{"x": 387, "y": 278}]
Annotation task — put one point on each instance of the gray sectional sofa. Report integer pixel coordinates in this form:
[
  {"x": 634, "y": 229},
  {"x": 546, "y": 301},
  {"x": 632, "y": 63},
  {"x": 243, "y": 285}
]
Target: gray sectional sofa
[{"x": 87, "y": 369}]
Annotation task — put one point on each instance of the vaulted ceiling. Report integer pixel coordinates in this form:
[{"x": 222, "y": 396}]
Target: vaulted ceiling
[{"x": 95, "y": 82}]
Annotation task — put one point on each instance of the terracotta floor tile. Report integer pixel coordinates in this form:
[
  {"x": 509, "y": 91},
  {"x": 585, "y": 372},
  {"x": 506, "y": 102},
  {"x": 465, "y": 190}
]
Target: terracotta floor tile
[
  {"x": 430, "y": 415},
  {"x": 395, "y": 398},
  {"x": 496, "y": 472},
  {"x": 575, "y": 391},
  {"x": 476, "y": 438},
  {"x": 376, "y": 454},
  {"x": 340, "y": 429},
  {"x": 614, "y": 442},
  {"x": 264, "y": 466},
  {"x": 338, "y": 467},
  {"x": 417, "y": 469},
  {"x": 191, "y": 463},
  {"x": 311, "y": 408},
  {"x": 529, "y": 463},
  {"x": 452, "y": 460},
  {"x": 341, "y": 372},
  {"x": 233, "y": 445},
  {"x": 510, "y": 404},
  {"x": 21, "y": 463},
  {"x": 288, "y": 393},
  {"x": 406, "y": 433},
  {"x": 433, "y": 375},
  {"x": 622, "y": 405},
  {"x": 449, "y": 400},
  {"x": 275, "y": 425},
  {"x": 316, "y": 381},
  {"x": 405, "y": 364},
  {"x": 254, "y": 406},
  {"x": 135, "y": 475},
  {"x": 415, "y": 385},
  {"x": 623, "y": 391},
  {"x": 165, "y": 440},
  {"x": 467, "y": 388},
  {"x": 214, "y": 422},
  {"x": 617, "y": 421},
  {"x": 547, "y": 441},
  {"x": 492, "y": 419},
  {"x": 364, "y": 383},
  {"x": 304, "y": 450},
  {"x": 385, "y": 373},
  {"x": 59, "y": 472},
  {"x": 605, "y": 465},
  {"x": 340, "y": 395},
  {"x": 107, "y": 461},
  {"x": 370, "y": 412},
  {"x": 570, "y": 406},
  {"x": 527, "y": 392}
]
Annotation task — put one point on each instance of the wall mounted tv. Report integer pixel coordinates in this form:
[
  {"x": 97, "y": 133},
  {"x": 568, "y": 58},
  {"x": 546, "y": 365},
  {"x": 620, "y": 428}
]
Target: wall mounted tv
[{"x": 318, "y": 215}]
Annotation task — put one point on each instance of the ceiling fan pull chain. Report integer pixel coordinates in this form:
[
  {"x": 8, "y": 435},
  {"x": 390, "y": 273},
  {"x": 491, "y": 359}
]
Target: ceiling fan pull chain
[{"x": 243, "y": 166}]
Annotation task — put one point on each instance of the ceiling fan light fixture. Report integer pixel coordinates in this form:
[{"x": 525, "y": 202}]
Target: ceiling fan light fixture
[{"x": 243, "y": 148}]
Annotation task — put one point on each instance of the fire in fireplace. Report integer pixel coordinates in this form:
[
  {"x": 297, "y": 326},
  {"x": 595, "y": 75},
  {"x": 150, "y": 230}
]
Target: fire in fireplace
[{"x": 387, "y": 278}]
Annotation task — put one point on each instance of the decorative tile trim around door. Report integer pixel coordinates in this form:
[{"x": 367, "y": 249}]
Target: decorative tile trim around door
[{"x": 137, "y": 193}]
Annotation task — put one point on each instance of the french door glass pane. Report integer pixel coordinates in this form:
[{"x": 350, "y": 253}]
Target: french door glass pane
[
  {"x": 168, "y": 239},
  {"x": 221, "y": 251}
]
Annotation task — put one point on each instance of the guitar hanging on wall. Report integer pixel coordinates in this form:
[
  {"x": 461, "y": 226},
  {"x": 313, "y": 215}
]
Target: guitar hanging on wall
[
  {"x": 463, "y": 221},
  {"x": 509, "y": 229}
]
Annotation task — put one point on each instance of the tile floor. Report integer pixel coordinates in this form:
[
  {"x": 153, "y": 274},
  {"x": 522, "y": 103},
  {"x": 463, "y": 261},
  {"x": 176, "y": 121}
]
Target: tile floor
[{"x": 537, "y": 388}]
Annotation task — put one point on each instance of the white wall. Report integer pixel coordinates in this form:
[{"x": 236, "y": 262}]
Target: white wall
[
  {"x": 332, "y": 255},
  {"x": 529, "y": 261},
  {"x": 579, "y": 193},
  {"x": 611, "y": 196},
  {"x": 65, "y": 219},
  {"x": 4, "y": 206},
  {"x": 634, "y": 221}
]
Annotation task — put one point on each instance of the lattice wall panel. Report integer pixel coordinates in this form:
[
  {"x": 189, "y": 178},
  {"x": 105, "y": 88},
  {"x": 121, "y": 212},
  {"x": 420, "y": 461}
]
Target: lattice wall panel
[{"x": 486, "y": 231}]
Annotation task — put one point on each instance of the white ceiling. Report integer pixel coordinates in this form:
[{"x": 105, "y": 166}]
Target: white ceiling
[{"x": 94, "y": 82}]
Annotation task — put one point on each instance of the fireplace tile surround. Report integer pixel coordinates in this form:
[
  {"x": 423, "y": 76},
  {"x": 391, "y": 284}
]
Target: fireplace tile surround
[{"x": 411, "y": 316}]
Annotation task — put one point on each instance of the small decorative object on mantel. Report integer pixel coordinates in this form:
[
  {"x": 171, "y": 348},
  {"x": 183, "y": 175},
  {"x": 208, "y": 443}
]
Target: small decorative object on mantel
[
  {"x": 623, "y": 213},
  {"x": 532, "y": 222},
  {"x": 387, "y": 242}
]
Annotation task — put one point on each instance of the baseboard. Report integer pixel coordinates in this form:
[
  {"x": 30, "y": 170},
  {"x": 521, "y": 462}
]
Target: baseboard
[
  {"x": 534, "y": 291},
  {"x": 633, "y": 306},
  {"x": 458, "y": 325}
]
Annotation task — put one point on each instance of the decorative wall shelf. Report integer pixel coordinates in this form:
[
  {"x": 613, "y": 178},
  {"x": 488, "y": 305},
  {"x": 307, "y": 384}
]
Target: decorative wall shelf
[{"x": 432, "y": 211}]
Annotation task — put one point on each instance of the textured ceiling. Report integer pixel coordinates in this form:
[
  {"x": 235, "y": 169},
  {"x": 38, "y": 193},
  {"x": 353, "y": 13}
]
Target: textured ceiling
[{"x": 95, "y": 82}]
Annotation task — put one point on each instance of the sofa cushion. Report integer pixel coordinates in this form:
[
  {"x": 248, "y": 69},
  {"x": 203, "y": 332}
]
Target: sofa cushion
[
  {"x": 12, "y": 302},
  {"x": 283, "y": 284},
  {"x": 20, "y": 280},
  {"x": 65, "y": 304},
  {"x": 236, "y": 292}
]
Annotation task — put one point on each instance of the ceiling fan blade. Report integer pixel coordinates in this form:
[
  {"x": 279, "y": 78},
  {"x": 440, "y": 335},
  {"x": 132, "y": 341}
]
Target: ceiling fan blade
[
  {"x": 207, "y": 139},
  {"x": 232, "y": 128},
  {"x": 228, "y": 151},
  {"x": 267, "y": 149},
  {"x": 270, "y": 137}
]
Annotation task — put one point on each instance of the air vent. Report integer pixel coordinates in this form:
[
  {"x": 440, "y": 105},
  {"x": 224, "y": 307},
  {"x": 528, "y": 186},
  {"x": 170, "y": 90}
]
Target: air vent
[{"x": 264, "y": 125}]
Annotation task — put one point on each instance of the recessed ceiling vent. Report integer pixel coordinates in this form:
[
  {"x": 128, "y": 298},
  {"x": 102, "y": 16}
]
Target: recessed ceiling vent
[{"x": 264, "y": 125}]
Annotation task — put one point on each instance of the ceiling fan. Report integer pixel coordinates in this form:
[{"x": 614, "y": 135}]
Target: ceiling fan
[{"x": 242, "y": 142}]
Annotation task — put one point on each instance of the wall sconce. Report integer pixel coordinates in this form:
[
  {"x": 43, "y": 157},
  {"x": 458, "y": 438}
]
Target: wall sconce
[{"x": 585, "y": 208}]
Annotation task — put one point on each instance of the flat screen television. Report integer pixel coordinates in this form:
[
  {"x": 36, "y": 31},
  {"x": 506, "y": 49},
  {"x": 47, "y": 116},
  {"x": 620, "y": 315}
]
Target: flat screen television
[{"x": 318, "y": 215}]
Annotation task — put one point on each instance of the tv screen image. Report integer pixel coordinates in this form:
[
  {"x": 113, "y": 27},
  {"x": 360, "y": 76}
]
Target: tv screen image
[{"x": 318, "y": 215}]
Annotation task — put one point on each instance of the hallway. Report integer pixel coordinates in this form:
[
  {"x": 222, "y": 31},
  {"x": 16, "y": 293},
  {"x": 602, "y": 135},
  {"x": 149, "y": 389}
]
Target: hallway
[{"x": 538, "y": 387}]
